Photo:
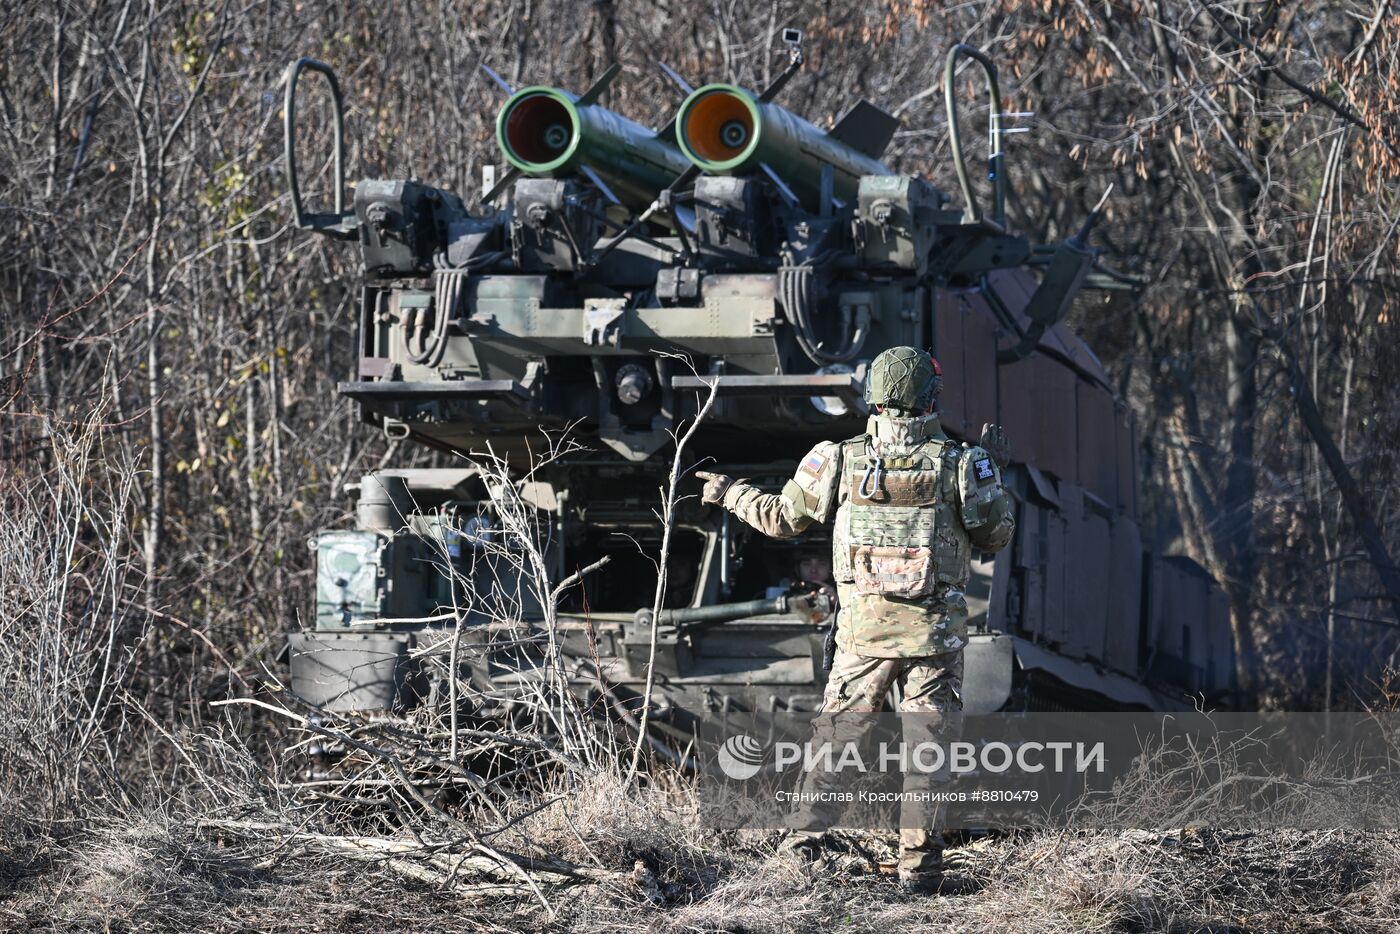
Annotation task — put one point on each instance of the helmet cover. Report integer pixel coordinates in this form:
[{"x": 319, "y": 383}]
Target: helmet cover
[{"x": 904, "y": 378}]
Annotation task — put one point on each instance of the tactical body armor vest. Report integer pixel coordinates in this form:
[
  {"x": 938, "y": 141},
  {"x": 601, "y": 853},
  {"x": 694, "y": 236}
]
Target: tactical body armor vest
[
  {"x": 897, "y": 529},
  {"x": 907, "y": 505}
]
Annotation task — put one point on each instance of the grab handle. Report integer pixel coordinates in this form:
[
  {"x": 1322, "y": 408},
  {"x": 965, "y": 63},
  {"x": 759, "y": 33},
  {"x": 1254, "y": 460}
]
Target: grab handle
[
  {"x": 995, "y": 169},
  {"x": 338, "y": 224}
]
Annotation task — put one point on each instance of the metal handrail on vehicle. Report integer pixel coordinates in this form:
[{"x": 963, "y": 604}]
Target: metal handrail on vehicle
[
  {"x": 337, "y": 224},
  {"x": 996, "y": 158}
]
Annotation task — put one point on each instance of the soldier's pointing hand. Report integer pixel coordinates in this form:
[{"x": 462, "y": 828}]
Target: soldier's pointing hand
[
  {"x": 716, "y": 484},
  {"x": 995, "y": 443}
]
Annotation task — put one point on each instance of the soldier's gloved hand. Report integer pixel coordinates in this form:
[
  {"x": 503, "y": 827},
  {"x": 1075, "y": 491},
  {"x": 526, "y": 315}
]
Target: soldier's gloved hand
[
  {"x": 716, "y": 485},
  {"x": 995, "y": 442}
]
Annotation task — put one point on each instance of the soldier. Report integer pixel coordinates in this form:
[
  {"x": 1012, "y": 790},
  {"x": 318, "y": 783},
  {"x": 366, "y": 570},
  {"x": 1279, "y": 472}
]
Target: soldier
[{"x": 908, "y": 506}]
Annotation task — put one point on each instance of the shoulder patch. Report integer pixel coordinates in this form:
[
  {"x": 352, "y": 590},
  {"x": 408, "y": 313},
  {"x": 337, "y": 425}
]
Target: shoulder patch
[
  {"x": 983, "y": 468},
  {"x": 816, "y": 478}
]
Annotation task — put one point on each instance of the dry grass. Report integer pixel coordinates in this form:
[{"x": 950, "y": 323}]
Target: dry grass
[{"x": 171, "y": 875}]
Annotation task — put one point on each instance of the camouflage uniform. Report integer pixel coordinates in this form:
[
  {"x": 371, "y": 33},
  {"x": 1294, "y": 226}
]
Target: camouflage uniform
[{"x": 908, "y": 505}]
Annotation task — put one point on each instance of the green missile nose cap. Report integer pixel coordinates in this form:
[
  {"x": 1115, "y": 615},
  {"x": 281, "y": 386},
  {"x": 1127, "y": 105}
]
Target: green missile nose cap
[
  {"x": 538, "y": 130},
  {"x": 718, "y": 127}
]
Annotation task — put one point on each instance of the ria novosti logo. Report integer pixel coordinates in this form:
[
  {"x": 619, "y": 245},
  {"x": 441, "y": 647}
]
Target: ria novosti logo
[{"x": 741, "y": 757}]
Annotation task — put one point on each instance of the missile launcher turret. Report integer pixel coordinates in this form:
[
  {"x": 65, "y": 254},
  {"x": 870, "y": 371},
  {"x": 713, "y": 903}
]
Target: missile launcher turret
[{"x": 743, "y": 251}]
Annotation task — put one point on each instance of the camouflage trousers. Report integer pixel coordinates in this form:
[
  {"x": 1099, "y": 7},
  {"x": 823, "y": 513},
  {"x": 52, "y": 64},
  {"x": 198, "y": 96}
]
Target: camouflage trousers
[{"x": 931, "y": 690}]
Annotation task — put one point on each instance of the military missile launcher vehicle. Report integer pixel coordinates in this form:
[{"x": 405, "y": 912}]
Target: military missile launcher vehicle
[{"x": 740, "y": 250}]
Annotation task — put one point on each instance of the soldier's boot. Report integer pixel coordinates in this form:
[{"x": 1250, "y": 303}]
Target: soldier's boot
[
  {"x": 920, "y": 862},
  {"x": 801, "y": 847},
  {"x": 922, "y": 883}
]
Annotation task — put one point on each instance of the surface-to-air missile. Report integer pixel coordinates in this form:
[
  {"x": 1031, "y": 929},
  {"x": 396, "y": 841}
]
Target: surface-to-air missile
[
  {"x": 776, "y": 258},
  {"x": 549, "y": 133},
  {"x": 725, "y": 130}
]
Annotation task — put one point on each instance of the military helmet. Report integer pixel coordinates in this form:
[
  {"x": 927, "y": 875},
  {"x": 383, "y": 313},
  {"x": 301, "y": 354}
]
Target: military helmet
[{"x": 904, "y": 378}]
